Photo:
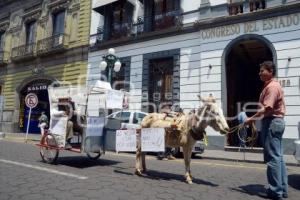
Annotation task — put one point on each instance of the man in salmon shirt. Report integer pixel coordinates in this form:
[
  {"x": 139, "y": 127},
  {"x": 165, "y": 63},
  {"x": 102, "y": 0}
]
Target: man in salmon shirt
[{"x": 271, "y": 113}]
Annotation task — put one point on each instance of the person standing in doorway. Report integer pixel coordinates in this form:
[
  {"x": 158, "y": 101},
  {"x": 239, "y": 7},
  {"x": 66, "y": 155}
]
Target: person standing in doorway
[
  {"x": 43, "y": 122},
  {"x": 271, "y": 112}
]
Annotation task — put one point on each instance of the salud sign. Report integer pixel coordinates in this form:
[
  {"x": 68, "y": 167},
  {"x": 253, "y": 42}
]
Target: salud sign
[{"x": 31, "y": 100}]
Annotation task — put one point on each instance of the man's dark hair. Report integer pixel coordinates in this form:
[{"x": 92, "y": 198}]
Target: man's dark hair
[{"x": 270, "y": 66}]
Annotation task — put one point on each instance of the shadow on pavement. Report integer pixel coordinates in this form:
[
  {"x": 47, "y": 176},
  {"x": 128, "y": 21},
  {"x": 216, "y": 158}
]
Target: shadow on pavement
[
  {"x": 125, "y": 172},
  {"x": 158, "y": 175},
  {"x": 84, "y": 162},
  {"x": 294, "y": 181},
  {"x": 253, "y": 190}
]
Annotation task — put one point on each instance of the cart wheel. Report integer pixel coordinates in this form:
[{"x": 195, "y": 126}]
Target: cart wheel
[
  {"x": 93, "y": 155},
  {"x": 49, "y": 151}
]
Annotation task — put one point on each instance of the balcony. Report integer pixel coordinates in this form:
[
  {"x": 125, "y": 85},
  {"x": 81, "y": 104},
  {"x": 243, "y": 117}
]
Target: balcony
[
  {"x": 257, "y": 5},
  {"x": 143, "y": 27},
  {"x": 23, "y": 52},
  {"x": 236, "y": 7},
  {"x": 53, "y": 44},
  {"x": 167, "y": 20},
  {"x": 119, "y": 32},
  {"x": 3, "y": 57}
]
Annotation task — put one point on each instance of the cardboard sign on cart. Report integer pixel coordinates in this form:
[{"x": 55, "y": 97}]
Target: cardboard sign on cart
[
  {"x": 126, "y": 140},
  {"x": 58, "y": 127},
  {"x": 95, "y": 126},
  {"x": 153, "y": 139}
]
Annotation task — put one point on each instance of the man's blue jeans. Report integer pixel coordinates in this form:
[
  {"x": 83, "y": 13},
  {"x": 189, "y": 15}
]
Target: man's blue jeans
[{"x": 272, "y": 131}]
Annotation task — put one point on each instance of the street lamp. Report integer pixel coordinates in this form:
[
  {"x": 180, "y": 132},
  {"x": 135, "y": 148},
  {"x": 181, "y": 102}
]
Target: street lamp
[{"x": 111, "y": 61}]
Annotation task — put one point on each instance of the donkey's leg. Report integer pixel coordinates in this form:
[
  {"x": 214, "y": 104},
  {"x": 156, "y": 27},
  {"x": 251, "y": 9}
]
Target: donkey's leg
[
  {"x": 138, "y": 159},
  {"x": 187, "y": 153},
  {"x": 144, "y": 162}
]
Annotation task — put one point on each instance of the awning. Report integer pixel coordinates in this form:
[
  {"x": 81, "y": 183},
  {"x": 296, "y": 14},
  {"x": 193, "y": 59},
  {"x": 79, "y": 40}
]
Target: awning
[{"x": 99, "y": 3}]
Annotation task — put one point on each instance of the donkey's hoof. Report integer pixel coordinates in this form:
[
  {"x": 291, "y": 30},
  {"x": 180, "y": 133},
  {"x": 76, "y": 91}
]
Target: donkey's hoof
[
  {"x": 189, "y": 182},
  {"x": 138, "y": 172}
]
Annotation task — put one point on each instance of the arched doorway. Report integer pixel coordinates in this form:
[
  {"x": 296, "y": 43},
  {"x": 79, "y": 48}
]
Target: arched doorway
[
  {"x": 40, "y": 88},
  {"x": 243, "y": 85}
]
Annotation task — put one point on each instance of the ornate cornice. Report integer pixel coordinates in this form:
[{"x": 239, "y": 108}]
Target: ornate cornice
[
  {"x": 4, "y": 26},
  {"x": 38, "y": 70},
  {"x": 43, "y": 19},
  {"x": 74, "y": 8},
  {"x": 15, "y": 29},
  {"x": 57, "y": 5},
  {"x": 33, "y": 15}
]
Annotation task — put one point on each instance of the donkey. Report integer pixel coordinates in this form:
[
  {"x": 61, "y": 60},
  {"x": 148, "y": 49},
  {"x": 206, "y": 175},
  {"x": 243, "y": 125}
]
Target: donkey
[{"x": 189, "y": 128}]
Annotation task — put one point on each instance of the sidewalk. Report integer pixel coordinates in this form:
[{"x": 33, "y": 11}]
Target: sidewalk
[
  {"x": 243, "y": 157},
  {"x": 208, "y": 154}
]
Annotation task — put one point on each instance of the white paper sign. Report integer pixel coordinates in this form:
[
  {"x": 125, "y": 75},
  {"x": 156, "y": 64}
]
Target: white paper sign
[
  {"x": 93, "y": 105},
  {"x": 95, "y": 126},
  {"x": 126, "y": 140},
  {"x": 114, "y": 99},
  {"x": 58, "y": 127},
  {"x": 153, "y": 139}
]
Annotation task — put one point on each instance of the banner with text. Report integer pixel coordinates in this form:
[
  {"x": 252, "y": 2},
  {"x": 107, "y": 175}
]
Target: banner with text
[
  {"x": 126, "y": 140},
  {"x": 153, "y": 139}
]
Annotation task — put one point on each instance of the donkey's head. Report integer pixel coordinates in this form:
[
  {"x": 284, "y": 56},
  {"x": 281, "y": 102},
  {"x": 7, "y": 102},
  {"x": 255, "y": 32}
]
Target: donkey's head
[{"x": 210, "y": 114}]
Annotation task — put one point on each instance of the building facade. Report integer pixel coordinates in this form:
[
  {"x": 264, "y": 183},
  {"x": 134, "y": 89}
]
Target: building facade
[
  {"x": 172, "y": 50},
  {"x": 43, "y": 42}
]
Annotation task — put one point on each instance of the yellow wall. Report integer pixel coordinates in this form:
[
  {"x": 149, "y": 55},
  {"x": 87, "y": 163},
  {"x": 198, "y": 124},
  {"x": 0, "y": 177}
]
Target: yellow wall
[
  {"x": 80, "y": 28},
  {"x": 72, "y": 72}
]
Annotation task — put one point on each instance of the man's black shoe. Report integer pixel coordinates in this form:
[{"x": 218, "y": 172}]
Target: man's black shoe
[{"x": 271, "y": 195}]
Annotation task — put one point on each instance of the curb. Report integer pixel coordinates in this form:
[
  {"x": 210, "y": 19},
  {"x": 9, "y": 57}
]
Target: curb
[
  {"x": 19, "y": 137},
  {"x": 246, "y": 161}
]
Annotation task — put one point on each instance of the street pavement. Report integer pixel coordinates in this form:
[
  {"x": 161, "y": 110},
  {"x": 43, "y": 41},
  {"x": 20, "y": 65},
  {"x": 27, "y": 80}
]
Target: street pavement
[
  {"x": 239, "y": 156},
  {"x": 24, "y": 176}
]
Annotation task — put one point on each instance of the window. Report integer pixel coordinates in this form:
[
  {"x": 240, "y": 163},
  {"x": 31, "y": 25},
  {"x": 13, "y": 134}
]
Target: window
[
  {"x": 123, "y": 117},
  {"x": 121, "y": 19},
  {"x": 164, "y": 6},
  {"x": 118, "y": 78},
  {"x": 161, "y": 82},
  {"x": 235, "y": 7},
  {"x": 165, "y": 12},
  {"x": 257, "y": 5},
  {"x": 2, "y": 40},
  {"x": 59, "y": 23},
  {"x": 138, "y": 117},
  {"x": 30, "y": 32}
]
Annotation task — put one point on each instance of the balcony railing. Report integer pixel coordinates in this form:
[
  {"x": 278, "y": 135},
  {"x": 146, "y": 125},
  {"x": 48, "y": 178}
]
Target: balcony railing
[
  {"x": 167, "y": 20},
  {"x": 54, "y": 43},
  {"x": 257, "y": 5},
  {"x": 236, "y": 7},
  {"x": 3, "y": 57},
  {"x": 23, "y": 52},
  {"x": 133, "y": 29},
  {"x": 130, "y": 29}
]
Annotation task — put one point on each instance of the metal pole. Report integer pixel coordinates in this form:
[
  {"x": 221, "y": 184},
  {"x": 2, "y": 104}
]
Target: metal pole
[
  {"x": 28, "y": 123},
  {"x": 109, "y": 73}
]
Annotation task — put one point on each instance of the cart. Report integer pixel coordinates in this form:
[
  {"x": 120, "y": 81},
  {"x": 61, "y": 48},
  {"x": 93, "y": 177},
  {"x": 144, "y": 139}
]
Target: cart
[{"x": 89, "y": 106}]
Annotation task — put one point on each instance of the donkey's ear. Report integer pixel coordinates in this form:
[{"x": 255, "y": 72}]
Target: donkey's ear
[
  {"x": 211, "y": 98},
  {"x": 201, "y": 98}
]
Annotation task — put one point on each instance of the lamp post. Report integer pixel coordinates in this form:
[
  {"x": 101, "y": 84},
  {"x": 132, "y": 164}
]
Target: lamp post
[{"x": 112, "y": 62}]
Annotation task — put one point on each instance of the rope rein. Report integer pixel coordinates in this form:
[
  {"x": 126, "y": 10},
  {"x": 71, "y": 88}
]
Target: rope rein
[{"x": 251, "y": 139}]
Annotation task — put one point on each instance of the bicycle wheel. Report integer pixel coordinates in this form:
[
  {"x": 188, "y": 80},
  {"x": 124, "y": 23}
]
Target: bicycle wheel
[
  {"x": 49, "y": 149},
  {"x": 93, "y": 155}
]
